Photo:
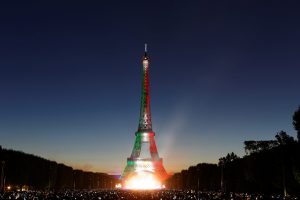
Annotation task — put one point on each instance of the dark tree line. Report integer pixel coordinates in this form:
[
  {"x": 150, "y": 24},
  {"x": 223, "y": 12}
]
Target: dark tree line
[
  {"x": 203, "y": 177},
  {"x": 21, "y": 169},
  {"x": 275, "y": 170},
  {"x": 271, "y": 166}
]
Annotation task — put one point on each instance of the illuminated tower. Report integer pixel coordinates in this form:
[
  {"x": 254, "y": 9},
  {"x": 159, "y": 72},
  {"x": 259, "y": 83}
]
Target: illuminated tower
[{"x": 144, "y": 158}]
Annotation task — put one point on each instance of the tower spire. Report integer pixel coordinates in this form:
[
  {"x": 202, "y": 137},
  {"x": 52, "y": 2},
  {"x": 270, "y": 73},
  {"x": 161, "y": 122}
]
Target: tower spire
[{"x": 145, "y": 49}]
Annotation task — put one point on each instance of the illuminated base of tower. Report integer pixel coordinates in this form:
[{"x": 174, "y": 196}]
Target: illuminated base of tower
[
  {"x": 144, "y": 174},
  {"x": 140, "y": 172}
]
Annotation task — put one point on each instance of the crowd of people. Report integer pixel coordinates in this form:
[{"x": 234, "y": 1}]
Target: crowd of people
[{"x": 137, "y": 195}]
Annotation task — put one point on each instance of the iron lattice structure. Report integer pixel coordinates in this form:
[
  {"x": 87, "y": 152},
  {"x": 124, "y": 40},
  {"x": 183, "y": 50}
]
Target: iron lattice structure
[{"x": 144, "y": 137}]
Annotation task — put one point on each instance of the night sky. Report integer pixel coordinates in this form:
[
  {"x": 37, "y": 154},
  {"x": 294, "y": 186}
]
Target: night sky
[{"x": 221, "y": 72}]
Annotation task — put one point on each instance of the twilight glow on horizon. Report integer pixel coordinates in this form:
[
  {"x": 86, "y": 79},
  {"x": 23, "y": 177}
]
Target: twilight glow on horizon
[{"x": 221, "y": 73}]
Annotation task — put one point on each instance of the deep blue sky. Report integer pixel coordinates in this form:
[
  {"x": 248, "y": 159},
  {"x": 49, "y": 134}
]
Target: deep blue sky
[{"x": 221, "y": 72}]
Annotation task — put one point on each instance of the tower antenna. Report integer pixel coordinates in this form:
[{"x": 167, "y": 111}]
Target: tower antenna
[{"x": 145, "y": 47}]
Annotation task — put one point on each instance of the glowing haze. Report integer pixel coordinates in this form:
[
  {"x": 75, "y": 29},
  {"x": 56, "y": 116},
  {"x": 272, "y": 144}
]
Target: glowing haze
[{"x": 221, "y": 73}]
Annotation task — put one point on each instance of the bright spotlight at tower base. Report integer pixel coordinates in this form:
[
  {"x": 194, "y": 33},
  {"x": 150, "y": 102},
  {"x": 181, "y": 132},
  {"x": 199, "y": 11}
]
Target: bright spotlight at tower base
[{"x": 143, "y": 181}]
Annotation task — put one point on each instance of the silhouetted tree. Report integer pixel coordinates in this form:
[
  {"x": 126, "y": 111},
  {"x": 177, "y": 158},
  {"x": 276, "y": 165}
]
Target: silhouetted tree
[
  {"x": 283, "y": 138},
  {"x": 226, "y": 174},
  {"x": 250, "y": 146},
  {"x": 296, "y": 122},
  {"x": 230, "y": 157},
  {"x": 258, "y": 146}
]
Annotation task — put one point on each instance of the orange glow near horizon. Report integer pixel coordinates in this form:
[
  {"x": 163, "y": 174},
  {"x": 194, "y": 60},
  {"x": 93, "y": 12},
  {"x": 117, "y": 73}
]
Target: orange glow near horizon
[{"x": 143, "y": 181}]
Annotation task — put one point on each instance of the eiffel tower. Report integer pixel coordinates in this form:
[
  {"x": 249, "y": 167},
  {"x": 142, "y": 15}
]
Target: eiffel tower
[{"x": 144, "y": 157}]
